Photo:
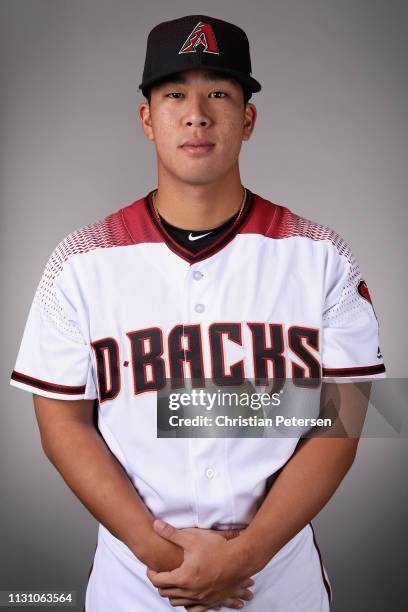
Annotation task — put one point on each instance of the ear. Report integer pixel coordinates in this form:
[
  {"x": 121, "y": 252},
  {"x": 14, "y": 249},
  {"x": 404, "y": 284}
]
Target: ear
[
  {"x": 146, "y": 119},
  {"x": 250, "y": 115}
]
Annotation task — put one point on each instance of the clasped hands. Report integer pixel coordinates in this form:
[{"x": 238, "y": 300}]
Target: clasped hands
[{"x": 212, "y": 574}]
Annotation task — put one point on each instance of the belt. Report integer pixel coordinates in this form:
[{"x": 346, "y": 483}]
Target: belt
[{"x": 229, "y": 534}]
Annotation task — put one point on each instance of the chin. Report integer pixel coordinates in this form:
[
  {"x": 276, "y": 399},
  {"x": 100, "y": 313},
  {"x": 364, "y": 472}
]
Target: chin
[
  {"x": 204, "y": 173},
  {"x": 199, "y": 178}
]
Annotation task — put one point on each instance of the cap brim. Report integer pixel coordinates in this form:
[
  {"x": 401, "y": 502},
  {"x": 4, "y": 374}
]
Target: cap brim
[{"x": 248, "y": 82}]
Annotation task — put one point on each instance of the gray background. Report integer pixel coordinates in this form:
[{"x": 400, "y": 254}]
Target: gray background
[{"x": 330, "y": 143}]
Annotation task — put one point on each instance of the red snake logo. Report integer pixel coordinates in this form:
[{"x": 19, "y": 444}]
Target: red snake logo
[{"x": 202, "y": 36}]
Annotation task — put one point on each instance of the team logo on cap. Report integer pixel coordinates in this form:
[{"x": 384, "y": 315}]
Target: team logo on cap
[{"x": 203, "y": 38}]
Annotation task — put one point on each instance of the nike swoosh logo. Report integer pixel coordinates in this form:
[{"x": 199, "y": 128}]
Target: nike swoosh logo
[{"x": 190, "y": 237}]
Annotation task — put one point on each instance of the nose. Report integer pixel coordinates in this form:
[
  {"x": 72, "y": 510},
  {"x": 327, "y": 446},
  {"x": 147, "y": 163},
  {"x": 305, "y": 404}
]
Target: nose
[{"x": 196, "y": 115}]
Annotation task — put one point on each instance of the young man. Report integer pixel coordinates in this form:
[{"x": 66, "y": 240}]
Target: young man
[{"x": 205, "y": 280}]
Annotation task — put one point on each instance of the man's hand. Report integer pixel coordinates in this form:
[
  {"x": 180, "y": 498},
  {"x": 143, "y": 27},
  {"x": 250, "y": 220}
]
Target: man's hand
[{"x": 211, "y": 574}]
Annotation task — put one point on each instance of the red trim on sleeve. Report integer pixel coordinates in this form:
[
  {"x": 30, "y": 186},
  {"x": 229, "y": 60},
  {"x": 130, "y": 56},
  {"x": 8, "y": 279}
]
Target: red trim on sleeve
[
  {"x": 358, "y": 371},
  {"x": 47, "y": 386}
]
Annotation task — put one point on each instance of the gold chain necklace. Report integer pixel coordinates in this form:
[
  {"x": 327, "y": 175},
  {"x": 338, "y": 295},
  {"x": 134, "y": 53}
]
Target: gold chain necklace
[{"x": 157, "y": 212}]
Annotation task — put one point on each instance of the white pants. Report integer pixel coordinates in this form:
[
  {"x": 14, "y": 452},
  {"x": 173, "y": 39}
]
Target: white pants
[{"x": 293, "y": 581}]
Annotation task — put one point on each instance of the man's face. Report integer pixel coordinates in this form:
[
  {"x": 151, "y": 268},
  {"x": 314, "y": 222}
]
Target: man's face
[{"x": 198, "y": 122}]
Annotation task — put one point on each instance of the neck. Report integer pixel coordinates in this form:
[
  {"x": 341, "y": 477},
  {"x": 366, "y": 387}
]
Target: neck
[{"x": 198, "y": 206}]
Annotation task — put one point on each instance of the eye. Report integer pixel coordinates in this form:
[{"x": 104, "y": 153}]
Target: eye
[
  {"x": 223, "y": 94},
  {"x": 175, "y": 94}
]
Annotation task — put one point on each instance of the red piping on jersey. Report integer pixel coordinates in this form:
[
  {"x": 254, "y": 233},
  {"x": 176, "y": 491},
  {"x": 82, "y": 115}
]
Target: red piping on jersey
[
  {"x": 325, "y": 582},
  {"x": 47, "y": 386},
  {"x": 357, "y": 371}
]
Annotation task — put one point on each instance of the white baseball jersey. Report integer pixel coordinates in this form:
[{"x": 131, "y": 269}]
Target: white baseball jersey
[{"x": 121, "y": 307}]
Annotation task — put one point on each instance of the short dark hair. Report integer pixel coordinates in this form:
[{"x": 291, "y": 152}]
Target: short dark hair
[{"x": 216, "y": 74}]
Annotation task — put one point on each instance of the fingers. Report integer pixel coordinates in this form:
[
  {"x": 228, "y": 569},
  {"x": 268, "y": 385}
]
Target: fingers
[
  {"x": 180, "y": 593},
  {"x": 245, "y": 595},
  {"x": 237, "y": 602},
  {"x": 170, "y": 533},
  {"x": 229, "y": 603},
  {"x": 188, "y": 599},
  {"x": 187, "y": 603},
  {"x": 174, "y": 591},
  {"x": 163, "y": 579},
  {"x": 233, "y": 603}
]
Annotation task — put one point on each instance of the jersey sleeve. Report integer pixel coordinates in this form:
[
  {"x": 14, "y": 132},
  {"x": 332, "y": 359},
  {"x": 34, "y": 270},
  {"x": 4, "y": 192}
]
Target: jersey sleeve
[
  {"x": 54, "y": 358},
  {"x": 350, "y": 328}
]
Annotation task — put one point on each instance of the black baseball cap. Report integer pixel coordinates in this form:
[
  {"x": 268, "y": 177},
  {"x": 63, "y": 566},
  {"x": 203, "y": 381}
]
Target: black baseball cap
[{"x": 197, "y": 41}]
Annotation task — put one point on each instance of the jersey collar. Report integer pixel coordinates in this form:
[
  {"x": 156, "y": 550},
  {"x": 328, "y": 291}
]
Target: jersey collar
[{"x": 211, "y": 249}]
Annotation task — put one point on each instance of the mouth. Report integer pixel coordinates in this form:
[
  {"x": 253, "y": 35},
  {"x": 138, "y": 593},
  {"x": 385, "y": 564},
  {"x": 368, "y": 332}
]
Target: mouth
[{"x": 197, "y": 148}]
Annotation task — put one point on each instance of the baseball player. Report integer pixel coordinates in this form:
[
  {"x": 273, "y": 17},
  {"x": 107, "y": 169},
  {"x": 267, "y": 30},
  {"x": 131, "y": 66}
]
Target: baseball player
[{"x": 201, "y": 279}]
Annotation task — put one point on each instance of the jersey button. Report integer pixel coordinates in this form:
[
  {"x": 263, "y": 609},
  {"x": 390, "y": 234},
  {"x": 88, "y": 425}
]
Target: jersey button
[
  {"x": 210, "y": 472},
  {"x": 199, "y": 307},
  {"x": 197, "y": 275}
]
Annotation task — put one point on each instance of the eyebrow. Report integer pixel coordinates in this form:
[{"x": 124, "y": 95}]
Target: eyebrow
[{"x": 179, "y": 78}]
